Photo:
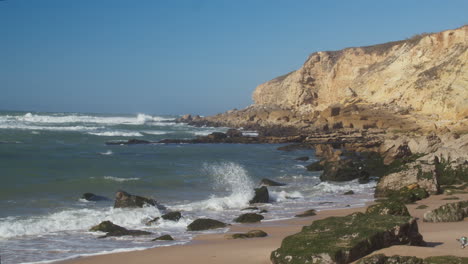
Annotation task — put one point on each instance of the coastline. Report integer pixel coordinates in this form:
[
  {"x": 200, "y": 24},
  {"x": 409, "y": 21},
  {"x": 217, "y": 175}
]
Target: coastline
[{"x": 215, "y": 248}]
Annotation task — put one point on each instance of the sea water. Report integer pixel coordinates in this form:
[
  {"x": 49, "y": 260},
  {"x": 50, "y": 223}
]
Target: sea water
[{"x": 48, "y": 160}]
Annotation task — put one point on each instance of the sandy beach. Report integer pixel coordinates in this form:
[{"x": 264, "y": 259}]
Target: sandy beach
[{"x": 217, "y": 249}]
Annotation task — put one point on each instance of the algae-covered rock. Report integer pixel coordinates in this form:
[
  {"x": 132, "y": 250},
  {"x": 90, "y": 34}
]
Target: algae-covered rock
[
  {"x": 382, "y": 259},
  {"x": 388, "y": 207},
  {"x": 452, "y": 212},
  {"x": 310, "y": 212},
  {"x": 250, "y": 234},
  {"x": 446, "y": 260},
  {"x": 261, "y": 195},
  {"x": 346, "y": 239},
  {"x": 408, "y": 194},
  {"x": 249, "y": 218},
  {"x": 112, "y": 229},
  {"x": 205, "y": 224},
  {"x": 268, "y": 182},
  {"x": 126, "y": 200},
  {"x": 172, "y": 216},
  {"x": 164, "y": 238}
]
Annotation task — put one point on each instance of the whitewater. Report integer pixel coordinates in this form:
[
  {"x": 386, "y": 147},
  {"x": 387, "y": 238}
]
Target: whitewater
[{"x": 48, "y": 160}]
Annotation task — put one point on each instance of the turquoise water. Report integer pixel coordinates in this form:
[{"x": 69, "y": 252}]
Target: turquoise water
[{"x": 48, "y": 160}]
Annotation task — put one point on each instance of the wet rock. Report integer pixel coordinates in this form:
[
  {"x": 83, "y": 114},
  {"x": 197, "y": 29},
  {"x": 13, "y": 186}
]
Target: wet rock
[
  {"x": 316, "y": 166},
  {"x": 164, "y": 238},
  {"x": 233, "y": 133},
  {"x": 268, "y": 182},
  {"x": 310, "y": 212},
  {"x": 129, "y": 142},
  {"x": 205, "y": 224},
  {"x": 341, "y": 170},
  {"x": 153, "y": 221},
  {"x": 346, "y": 239},
  {"x": 126, "y": 200},
  {"x": 250, "y": 234},
  {"x": 350, "y": 192},
  {"x": 172, "y": 216},
  {"x": 249, "y": 218},
  {"x": 93, "y": 197},
  {"x": 452, "y": 212},
  {"x": 305, "y": 158},
  {"x": 250, "y": 208},
  {"x": 112, "y": 229},
  {"x": 261, "y": 195},
  {"x": 216, "y": 136}
]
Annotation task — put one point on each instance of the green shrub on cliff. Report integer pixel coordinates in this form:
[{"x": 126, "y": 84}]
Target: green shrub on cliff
[{"x": 448, "y": 174}]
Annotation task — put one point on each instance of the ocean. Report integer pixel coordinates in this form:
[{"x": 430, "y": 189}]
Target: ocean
[{"x": 48, "y": 160}]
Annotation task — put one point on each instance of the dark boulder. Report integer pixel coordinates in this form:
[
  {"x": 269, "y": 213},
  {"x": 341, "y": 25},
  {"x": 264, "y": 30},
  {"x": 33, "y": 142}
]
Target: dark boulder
[
  {"x": 310, "y": 212},
  {"x": 205, "y": 224},
  {"x": 93, "y": 197},
  {"x": 341, "y": 170},
  {"x": 153, "y": 221},
  {"x": 250, "y": 208},
  {"x": 164, "y": 238},
  {"x": 250, "y": 234},
  {"x": 249, "y": 218},
  {"x": 112, "y": 229},
  {"x": 233, "y": 133},
  {"x": 172, "y": 216},
  {"x": 126, "y": 200},
  {"x": 350, "y": 192},
  {"x": 316, "y": 166},
  {"x": 305, "y": 158},
  {"x": 268, "y": 182},
  {"x": 261, "y": 195}
]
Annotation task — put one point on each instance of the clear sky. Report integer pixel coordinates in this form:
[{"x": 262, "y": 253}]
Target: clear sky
[{"x": 177, "y": 56}]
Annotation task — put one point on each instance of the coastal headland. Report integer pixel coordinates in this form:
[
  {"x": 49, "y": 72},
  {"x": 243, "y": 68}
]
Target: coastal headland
[{"x": 396, "y": 113}]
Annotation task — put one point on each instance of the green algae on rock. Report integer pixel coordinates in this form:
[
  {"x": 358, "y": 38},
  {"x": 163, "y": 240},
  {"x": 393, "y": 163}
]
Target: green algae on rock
[
  {"x": 388, "y": 207},
  {"x": 452, "y": 212},
  {"x": 346, "y": 239}
]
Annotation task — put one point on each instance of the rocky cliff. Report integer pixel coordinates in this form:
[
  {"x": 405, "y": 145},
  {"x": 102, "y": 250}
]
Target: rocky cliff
[
  {"x": 419, "y": 83},
  {"x": 427, "y": 74}
]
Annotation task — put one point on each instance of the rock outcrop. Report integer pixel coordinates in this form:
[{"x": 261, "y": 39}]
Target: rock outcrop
[
  {"x": 126, "y": 200},
  {"x": 452, "y": 212},
  {"x": 346, "y": 239},
  {"x": 249, "y": 218},
  {"x": 261, "y": 195},
  {"x": 250, "y": 234}
]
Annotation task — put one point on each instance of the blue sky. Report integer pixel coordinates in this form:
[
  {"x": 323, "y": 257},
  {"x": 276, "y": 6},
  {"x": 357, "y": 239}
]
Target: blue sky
[{"x": 176, "y": 56}]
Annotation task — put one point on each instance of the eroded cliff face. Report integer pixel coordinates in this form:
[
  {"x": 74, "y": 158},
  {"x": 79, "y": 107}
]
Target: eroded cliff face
[{"x": 427, "y": 74}]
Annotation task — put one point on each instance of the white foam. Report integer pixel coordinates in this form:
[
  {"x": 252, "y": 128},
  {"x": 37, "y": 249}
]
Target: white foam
[
  {"x": 250, "y": 133},
  {"x": 139, "y": 119},
  {"x": 229, "y": 177},
  {"x": 48, "y": 128},
  {"x": 282, "y": 196},
  {"x": 107, "y": 153},
  {"x": 117, "y": 179},
  {"x": 75, "y": 220},
  {"x": 116, "y": 134},
  {"x": 151, "y": 132}
]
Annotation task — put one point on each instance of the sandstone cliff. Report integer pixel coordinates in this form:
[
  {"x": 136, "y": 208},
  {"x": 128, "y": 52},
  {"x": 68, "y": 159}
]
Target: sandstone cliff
[
  {"x": 427, "y": 74},
  {"x": 416, "y": 84}
]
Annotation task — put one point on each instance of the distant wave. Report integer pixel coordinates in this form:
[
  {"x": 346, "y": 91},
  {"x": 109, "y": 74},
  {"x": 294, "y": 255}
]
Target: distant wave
[
  {"x": 155, "y": 132},
  {"x": 117, "y": 179},
  {"x": 139, "y": 119},
  {"x": 107, "y": 153},
  {"x": 48, "y": 128},
  {"x": 116, "y": 134}
]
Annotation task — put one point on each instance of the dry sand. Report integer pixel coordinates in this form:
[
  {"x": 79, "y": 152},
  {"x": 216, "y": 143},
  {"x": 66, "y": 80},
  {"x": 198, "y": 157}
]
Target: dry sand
[{"x": 208, "y": 249}]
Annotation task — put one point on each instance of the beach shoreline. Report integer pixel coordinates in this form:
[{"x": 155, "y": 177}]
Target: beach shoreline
[{"x": 215, "y": 248}]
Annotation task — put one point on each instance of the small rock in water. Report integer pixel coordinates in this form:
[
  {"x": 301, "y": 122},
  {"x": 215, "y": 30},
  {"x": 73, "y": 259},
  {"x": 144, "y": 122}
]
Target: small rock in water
[
  {"x": 172, "y": 216},
  {"x": 250, "y": 208},
  {"x": 349, "y": 192},
  {"x": 205, "y": 224},
  {"x": 268, "y": 182},
  {"x": 261, "y": 195},
  {"x": 112, "y": 229},
  {"x": 126, "y": 200},
  {"x": 164, "y": 238},
  {"x": 249, "y": 218},
  {"x": 305, "y": 158},
  {"x": 93, "y": 197}
]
